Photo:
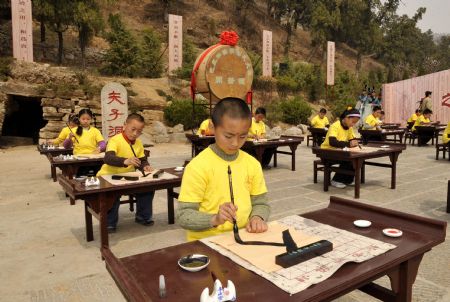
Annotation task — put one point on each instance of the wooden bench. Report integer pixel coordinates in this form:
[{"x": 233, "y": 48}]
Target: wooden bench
[
  {"x": 444, "y": 148},
  {"x": 318, "y": 166}
]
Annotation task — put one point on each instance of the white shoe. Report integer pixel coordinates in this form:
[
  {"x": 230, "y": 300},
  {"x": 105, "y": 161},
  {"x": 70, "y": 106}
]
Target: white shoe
[
  {"x": 338, "y": 185},
  {"x": 352, "y": 184}
]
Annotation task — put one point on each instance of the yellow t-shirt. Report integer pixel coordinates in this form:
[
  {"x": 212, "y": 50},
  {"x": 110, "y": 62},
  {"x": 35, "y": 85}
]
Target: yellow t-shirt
[
  {"x": 420, "y": 119},
  {"x": 372, "y": 121},
  {"x": 87, "y": 142},
  {"x": 318, "y": 122},
  {"x": 336, "y": 130},
  {"x": 412, "y": 118},
  {"x": 445, "y": 138},
  {"x": 205, "y": 181},
  {"x": 204, "y": 126},
  {"x": 120, "y": 146},
  {"x": 257, "y": 128},
  {"x": 63, "y": 135}
]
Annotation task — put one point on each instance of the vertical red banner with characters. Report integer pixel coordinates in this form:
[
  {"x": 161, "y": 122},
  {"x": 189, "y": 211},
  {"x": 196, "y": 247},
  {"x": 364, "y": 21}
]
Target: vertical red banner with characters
[
  {"x": 114, "y": 109},
  {"x": 22, "y": 30},
  {"x": 267, "y": 54},
  {"x": 175, "y": 42}
]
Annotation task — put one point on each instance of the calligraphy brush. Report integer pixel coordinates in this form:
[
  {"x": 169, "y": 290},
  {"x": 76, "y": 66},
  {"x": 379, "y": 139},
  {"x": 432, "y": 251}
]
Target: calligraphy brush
[
  {"x": 139, "y": 168},
  {"x": 72, "y": 132},
  {"x": 237, "y": 238}
]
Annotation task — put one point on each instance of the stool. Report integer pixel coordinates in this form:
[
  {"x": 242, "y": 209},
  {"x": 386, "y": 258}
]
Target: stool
[{"x": 317, "y": 166}]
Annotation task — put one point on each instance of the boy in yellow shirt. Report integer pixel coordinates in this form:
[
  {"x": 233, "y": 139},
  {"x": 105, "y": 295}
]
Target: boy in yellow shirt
[
  {"x": 372, "y": 122},
  {"x": 320, "y": 120},
  {"x": 125, "y": 153},
  {"x": 414, "y": 116},
  {"x": 65, "y": 132},
  {"x": 423, "y": 120},
  {"x": 204, "y": 207},
  {"x": 206, "y": 128},
  {"x": 258, "y": 128},
  {"x": 339, "y": 136}
]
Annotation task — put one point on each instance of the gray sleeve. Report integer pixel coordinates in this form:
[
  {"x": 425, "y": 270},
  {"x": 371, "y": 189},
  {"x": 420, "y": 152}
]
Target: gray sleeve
[
  {"x": 260, "y": 206},
  {"x": 190, "y": 218}
]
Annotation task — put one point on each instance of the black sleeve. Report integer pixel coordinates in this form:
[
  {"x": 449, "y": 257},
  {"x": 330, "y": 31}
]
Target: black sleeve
[
  {"x": 113, "y": 160},
  {"x": 338, "y": 144}
]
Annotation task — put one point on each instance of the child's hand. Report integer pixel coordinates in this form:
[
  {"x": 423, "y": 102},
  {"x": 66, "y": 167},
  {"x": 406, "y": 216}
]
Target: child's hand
[
  {"x": 96, "y": 151},
  {"x": 227, "y": 212},
  {"x": 256, "y": 225},
  {"x": 353, "y": 143},
  {"x": 148, "y": 169},
  {"x": 132, "y": 161}
]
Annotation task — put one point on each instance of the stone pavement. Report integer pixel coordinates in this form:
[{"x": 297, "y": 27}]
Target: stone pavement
[{"x": 44, "y": 255}]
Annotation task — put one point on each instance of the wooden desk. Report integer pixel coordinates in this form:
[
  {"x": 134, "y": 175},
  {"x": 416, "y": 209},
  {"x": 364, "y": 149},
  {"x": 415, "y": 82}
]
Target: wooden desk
[
  {"x": 448, "y": 197},
  {"x": 199, "y": 143},
  {"x": 318, "y": 135},
  {"x": 50, "y": 153},
  {"x": 258, "y": 147},
  {"x": 359, "y": 161},
  {"x": 384, "y": 135},
  {"x": 137, "y": 276},
  {"x": 427, "y": 131},
  {"x": 98, "y": 200},
  {"x": 390, "y": 126}
]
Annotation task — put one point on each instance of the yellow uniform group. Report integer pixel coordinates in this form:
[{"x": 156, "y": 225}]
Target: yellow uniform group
[{"x": 87, "y": 142}]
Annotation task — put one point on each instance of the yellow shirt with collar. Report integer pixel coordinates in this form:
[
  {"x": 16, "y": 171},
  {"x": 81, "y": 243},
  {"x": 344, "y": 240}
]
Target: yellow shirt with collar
[
  {"x": 204, "y": 126},
  {"x": 336, "y": 130},
  {"x": 257, "y": 128},
  {"x": 318, "y": 122},
  {"x": 421, "y": 119},
  {"x": 445, "y": 138},
  {"x": 63, "y": 135},
  {"x": 412, "y": 118},
  {"x": 88, "y": 142},
  {"x": 372, "y": 121},
  {"x": 205, "y": 181},
  {"x": 122, "y": 148}
]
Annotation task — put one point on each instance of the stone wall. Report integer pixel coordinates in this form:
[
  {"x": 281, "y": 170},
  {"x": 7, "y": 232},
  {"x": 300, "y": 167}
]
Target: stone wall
[{"x": 37, "y": 80}]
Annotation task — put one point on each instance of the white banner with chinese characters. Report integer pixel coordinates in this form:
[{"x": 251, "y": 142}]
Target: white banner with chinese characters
[
  {"x": 114, "y": 109},
  {"x": 267, "y": 53},
  {"x": 22, "y": 30},
  {"x": 175, "y": 42},
  {"x": 330, "y": 62}
]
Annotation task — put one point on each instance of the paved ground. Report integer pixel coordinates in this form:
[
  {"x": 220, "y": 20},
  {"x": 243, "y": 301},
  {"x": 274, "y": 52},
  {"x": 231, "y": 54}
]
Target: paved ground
[{"x": 44, "y": 255}]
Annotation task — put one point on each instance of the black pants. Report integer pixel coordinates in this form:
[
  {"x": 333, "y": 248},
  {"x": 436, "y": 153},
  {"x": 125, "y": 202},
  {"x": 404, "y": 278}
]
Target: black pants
[
  {"x": 88, "y": 170},
  {"x": 343, "y": 178},
  {"x": 266, "y": 157},
  {"x": 424, "y": 138}
]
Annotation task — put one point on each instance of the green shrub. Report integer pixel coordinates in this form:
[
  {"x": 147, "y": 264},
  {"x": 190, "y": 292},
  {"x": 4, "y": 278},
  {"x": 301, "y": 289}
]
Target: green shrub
[
  {"x": 295, "y": 111},
  {"x": 5, "y": 68},
  {"x": 286, "y": 84},
  {"x": 180, "y": 112},
  {"x": 152, "y": 65},
  {"x": 189, "y": 57}
]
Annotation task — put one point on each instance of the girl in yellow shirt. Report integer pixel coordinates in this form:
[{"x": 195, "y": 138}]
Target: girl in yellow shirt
[
  {"x": 339, "y": 136},
  {"x": 423, "y": 120},
  {"x": 65, "y": 132}
]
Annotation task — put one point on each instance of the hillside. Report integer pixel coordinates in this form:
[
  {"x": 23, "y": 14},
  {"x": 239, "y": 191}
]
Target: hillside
[{"x": 203, "y": 21}]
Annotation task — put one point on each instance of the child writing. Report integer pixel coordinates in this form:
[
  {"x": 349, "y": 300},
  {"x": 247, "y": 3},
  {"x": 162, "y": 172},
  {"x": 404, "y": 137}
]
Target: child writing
[
  {"x": 257, "y": 131},
  {"x": 65, "y": 132},
  {"x": 125, "y": 153},
  {"x": 206, "y": 128},
  {"x": 204, "y": 207},
  {"x": 372, "y": 122},
  {"x": 339, "y": 136},
  {"x": 320, "y": 120}
]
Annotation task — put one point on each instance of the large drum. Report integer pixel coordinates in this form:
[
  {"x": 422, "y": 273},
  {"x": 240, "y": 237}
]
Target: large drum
[{"x": 223, "y": 71}]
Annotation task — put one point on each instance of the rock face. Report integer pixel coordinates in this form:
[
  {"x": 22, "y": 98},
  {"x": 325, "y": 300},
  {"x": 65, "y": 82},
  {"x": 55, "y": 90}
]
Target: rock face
[
  {"x": 293, "y": 131},
  {"x": 61, "y": 94}
]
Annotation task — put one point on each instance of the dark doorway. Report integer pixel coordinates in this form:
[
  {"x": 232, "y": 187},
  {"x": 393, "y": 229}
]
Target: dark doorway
[{"x": 23, "y": 117}]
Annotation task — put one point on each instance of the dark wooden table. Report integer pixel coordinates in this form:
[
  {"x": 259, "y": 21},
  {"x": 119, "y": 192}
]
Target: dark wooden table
[
  {"x": 448, "y": 197},
  {"x": 318, "y": 135},
  {"x": 382, "y": 135},
  {"x": 50, "y": 153},
  {"x": 429, "y": 131},
  {"x": 199, "y": 143},
  {"x": 359, "y": 161},
  {"x": 137, "y": 276},
  {"x": 258, "y": 147},
  {"x": 390, "y": 125},
  {"x": 98, "y": 200}
]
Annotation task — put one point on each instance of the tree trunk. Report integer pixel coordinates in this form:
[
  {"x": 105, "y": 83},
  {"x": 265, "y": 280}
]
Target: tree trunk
[
  {"x": 358, "y": 64},
  {"x": 287, "y": 45},
  {"x": 60, "y": 47},
  {"x": 42, "y": 24}
]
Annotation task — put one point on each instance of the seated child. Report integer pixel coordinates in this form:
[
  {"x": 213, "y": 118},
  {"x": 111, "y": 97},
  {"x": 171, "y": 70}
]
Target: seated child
[
  {"x": 206, "y": 128},
  {"x": 204, "y": 207},
  {"x": 320, "y": 120},
  {"x": 65, "y": 132}
]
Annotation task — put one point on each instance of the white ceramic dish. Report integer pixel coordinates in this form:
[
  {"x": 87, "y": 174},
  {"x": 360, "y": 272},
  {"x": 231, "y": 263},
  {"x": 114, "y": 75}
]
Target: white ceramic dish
[
  {"x": 179, "y": 169},
  {"x": 362, "y": 223},
  {"x": 384, "y": 146},
  {"x": 193, "y": 256},
  {"x": 392, "y": 232}
]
